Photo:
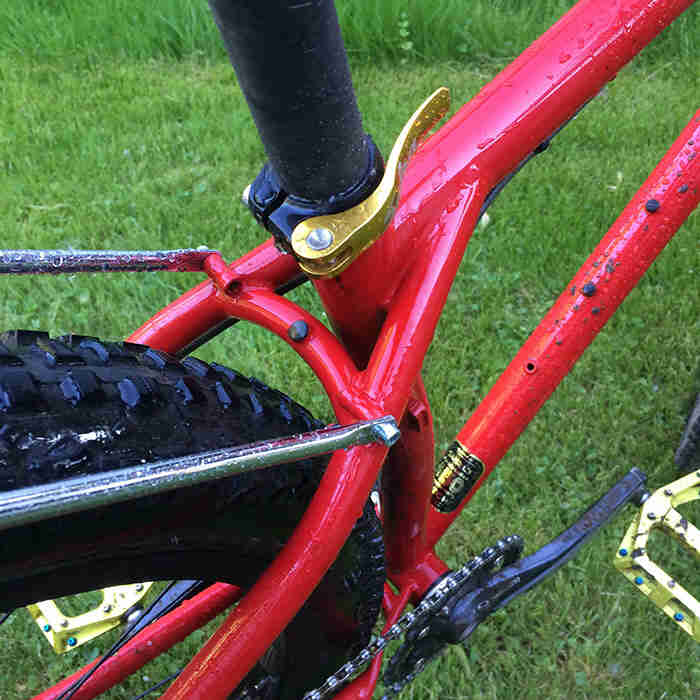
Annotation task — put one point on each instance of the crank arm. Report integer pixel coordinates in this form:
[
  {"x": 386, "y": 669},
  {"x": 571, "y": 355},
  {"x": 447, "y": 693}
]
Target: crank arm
[
  {"x": 513, "y": 580},
  {"x": 477, "y": 593}
]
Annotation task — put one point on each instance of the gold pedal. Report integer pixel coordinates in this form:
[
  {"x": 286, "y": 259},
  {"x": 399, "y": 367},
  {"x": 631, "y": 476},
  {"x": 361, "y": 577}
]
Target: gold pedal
[
  {"x": 65, "y": 633},
  {"x": 632, "y": 559}
]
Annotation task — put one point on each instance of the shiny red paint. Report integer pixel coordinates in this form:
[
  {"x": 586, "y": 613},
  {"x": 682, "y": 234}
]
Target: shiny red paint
[
  {"x": 198, "y": 311},
  {"x": 450, "y": 175},
  {"x": 421, "y": 576},
  {"x": 488, "y": 136},
  {"x": 223, "y": 276},
  {"x": 321, "y": 350},
  {"x": 156, "y": 639},
  {"x": 406, "y": 492},
  {"x": 391, "y": 371},
  {"x": 385, "y": 308},
  {"x": 289, "y": 580},
  {"x": 590, "y": 299},
  {"x": 363, "y": 686}
]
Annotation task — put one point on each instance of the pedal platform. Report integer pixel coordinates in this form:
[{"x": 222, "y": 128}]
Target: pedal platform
[
  {"x": 632, "y": 558},
  {"x": 64, "y": 632}
]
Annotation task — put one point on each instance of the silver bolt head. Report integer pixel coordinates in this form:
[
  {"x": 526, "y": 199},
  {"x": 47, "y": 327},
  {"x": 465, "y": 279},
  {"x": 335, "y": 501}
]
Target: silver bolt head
[
  {"x": 139, "y": 587},
  {"x": 134, "y": 615},
  {"x": 643, "y": 498},
  {"x": 387, "y": 433},
  {"x": 319, "y": 239}
]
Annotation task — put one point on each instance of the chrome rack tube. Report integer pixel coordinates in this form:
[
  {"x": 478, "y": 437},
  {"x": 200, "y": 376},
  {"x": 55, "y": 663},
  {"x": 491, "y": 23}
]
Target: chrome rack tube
[
  {"x": 56, "y": 262},
  {"x": 35, "y": 503}
]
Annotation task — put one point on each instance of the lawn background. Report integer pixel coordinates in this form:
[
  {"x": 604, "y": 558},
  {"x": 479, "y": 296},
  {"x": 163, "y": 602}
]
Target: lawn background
[{"x": 121, "y": 126}]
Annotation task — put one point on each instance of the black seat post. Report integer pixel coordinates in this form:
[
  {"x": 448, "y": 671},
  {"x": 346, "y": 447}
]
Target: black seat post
[{"x": 292, "y": 67}]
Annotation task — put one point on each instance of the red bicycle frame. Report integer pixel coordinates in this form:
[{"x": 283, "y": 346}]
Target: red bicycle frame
[{"x": 385, "y": 322}]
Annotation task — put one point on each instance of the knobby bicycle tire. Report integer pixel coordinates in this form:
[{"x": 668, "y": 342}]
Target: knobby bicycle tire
[
  {"x": 76, "y": 405},
  {"x": 687, "y": 455}
]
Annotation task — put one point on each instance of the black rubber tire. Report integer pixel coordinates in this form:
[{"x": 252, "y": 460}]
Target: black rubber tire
[
  {"x": 687, "y": 457},
  {"x": 76, "y": 405}
]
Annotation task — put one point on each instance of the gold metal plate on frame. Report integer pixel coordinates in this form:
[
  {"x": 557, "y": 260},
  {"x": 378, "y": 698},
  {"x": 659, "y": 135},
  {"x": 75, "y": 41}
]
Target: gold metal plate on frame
[
  {"x": 632, "y": 558},
  {"x": 65, "y": 633},
  {"x": 457, "y": 473},
  {"x": 355, "y": 229}
]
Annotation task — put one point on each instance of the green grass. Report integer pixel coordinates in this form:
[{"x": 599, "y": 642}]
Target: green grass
[
  {"x": 146, "y": 152},
  {"x": 373, "y": 29}
]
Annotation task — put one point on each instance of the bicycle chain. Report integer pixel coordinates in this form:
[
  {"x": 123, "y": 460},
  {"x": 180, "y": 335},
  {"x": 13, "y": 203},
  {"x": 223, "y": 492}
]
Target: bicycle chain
[{"x": 433, "y": 601}]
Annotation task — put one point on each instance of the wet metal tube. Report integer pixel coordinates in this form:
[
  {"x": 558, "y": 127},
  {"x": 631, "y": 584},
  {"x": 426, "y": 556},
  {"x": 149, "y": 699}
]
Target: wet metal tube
[{"x": 35, "y": 503}]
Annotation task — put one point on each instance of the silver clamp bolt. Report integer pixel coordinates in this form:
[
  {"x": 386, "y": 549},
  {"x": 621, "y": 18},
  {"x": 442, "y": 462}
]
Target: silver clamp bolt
[
  {"x": 133, "y": 615},
  {"x": 387, "y": 433},
  {"x": 319, "y": 239}
]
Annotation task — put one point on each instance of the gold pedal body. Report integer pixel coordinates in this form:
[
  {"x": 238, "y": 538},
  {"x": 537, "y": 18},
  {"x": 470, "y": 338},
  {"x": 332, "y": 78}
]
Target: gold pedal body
[
  {"x": 64, "y": 632},
  {"x": 632, "y": 558}
]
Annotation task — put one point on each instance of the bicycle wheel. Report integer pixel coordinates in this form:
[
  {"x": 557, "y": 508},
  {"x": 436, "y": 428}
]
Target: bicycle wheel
[
  {"x": 76, "y": 405},
  {"x": 687, "y": 455}
]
